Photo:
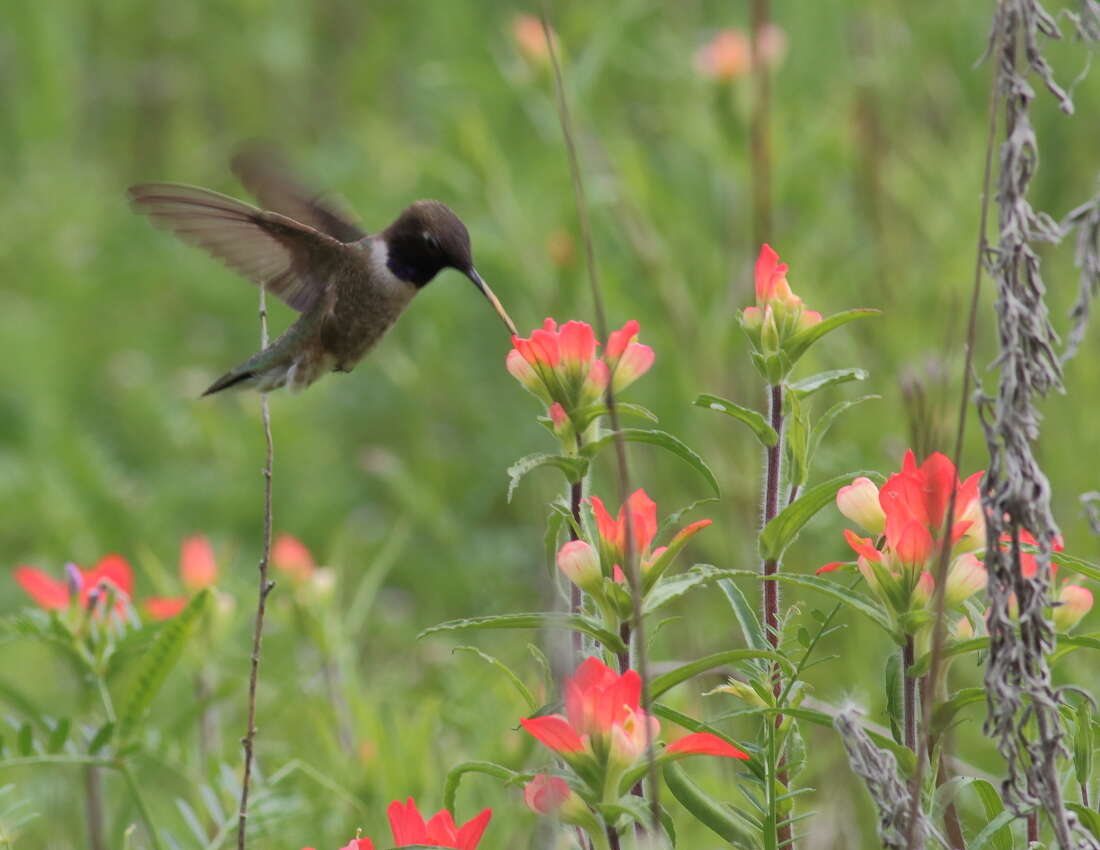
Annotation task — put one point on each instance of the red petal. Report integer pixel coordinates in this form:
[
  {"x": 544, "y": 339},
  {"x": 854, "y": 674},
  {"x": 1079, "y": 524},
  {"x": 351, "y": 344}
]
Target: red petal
[
  {"x": 114, "y": 569},
  {"x": 46, "y": 591},
  {"x": 470, "y": 833},
  {"x": 442, "y": 831},
  {"x": 829, "y": 567},
  {"x": 862, "y": 545},
  {"x": 706, "y": 744},
  {"x": 606, "y": 527},
  {"x": 617, "y": 341},
  {"x": 576, "y": 342},
  {"x": 406, "y": 823},
  {"x": 164, "y": 607},
  {"x": 643, "y": 519},
  {"x": 198, "y": 568},
  {"x": 553, "y": 731}
]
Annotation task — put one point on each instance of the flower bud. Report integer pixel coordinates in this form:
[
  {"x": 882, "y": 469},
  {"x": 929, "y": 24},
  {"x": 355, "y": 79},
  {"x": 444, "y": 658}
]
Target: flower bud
[
  {"x": 635, "y": 362},
  {"x": 808, "y": 318},
  {"x": 742, "y": 690},
  {"x": 769, "y": 332},
  {"x": 1074, "y": 603},
  {"x": 74, "y": 580},
  {"x": 545, "y": 794},
  {"x": 581, "y": 565},
  {"x": 752, "y": 318},
  {"x": 965, "y": 577},
  {"x": 859, "y": 502},
  {"x": 595, "y": 383},
  {"x": 922, "y": 592},
  {"x": 559, "y": 421},
  {"x": 522, "y": 371}
]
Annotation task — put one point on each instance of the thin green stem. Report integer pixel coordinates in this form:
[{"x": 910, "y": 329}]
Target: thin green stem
[
  {"x": 32, "y": 761},
  {"x": 139, "y": 801}
]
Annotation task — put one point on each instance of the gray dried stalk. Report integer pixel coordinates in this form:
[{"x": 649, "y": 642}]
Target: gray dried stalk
[
  {"x": 879, "y": 770},
  {"x": 1022, "y": 703},
  {"x": 1090, "y": 502},
  {"x": 1086, "y": 221}
]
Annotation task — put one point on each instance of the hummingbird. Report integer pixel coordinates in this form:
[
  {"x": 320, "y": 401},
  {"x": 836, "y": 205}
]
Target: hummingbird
[{"x": 349, "y": 286}]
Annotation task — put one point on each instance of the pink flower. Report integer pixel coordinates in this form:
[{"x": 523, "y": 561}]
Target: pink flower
[
  {"x": 859, "y": 502},
  {"x": 290, "y": 555},
  {"x": 55, "y": 594},
  {"x": 1074, "y": 603},
  {"x": 580, "y": 564},
  {"x": 546, "y": 794},
  {"x": 409, "y": 828},
  {"x": 530, "y": 40},
  {"x": 359, "y": 844},
  {"x": 164, "y": 607},
  {"x": 726, "y": 56}
]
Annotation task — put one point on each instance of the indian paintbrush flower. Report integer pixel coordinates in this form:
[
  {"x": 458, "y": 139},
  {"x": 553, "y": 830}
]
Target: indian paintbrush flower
[
  {"x": 604, "y": 730},
  {"x": 410, "y": 828},
  {"x": 84, "y": 586},
  {"x": 198, "y": 569}
]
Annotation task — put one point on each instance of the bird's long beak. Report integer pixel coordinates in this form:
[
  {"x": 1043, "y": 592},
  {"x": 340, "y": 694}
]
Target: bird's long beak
[{"x": 488, "y": 293}]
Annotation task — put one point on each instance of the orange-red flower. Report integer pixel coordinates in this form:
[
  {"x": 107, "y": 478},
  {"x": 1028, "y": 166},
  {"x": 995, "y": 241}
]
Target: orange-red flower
[
  {"x": 561, "y": 366},
  {"x": 198, "y": 570},
  {"x": 410, "y": 828},
  {"x": 728, "y": 54},
  {"x": 291, "y": 555},
  {"x": 605, "y": 725},
  {"x": 778, "y": 314},
  {"x": 112, "y": 571}
]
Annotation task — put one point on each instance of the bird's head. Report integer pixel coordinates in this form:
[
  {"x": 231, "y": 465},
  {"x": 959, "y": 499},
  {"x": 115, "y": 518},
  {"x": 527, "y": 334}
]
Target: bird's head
[{"x": 428, "y": 237}]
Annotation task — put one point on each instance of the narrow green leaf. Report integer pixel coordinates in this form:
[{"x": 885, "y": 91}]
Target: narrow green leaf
[
  {"x": 583, "y": 417},
  {"x": 784, "y": 528},
  {"x": 1085, "y": 568},
  {"x": 922, "y": 664},
  {"x": 723, "y": 821},
  {"x": 573, "y": 468},
  {"x": 656, "y": 438},
  {"x": 893, "y": 694},
  {"x": 800, "y": 343},
  {"x": 945, "y": 712},
  {"x": 535, "y": 620},
  {"x": 554, "y": 521},
  {"x": 455, "y": 774},
  {"x": 101, "y": 737},
  {"x": 668, "y": 680},
  {"x": 58, "y": 736},
  {"x": 493, "y": 661},
  {"x": 993, "y": 806},
  {"x": 1082, "y": 744},
  {"x": 675, "y": 587},
  {"x": 159, "y": 660},
  {"x": 764, "y": 432},
  {"x": 992, "y": 832},
  {"x": 853, "y": 599},
  {"x": 24, "y": 740},
  {"x": 747, "y": 618},
  {"x": 808, "y": 386},
  {"x": 821, "y": 428},
  {"x": 1089, "y": 819}
]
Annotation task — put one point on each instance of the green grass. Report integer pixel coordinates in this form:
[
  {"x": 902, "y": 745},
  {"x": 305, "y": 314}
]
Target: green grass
[{"x": 111, "y": 329}]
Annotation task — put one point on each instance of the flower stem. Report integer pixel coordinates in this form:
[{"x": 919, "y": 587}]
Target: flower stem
[
  {"x": 93, "y": 804},
  {"x": 143, "y": 810},
  {"x": 576, "y": 493},
  {"x": 264, "y": 588}
]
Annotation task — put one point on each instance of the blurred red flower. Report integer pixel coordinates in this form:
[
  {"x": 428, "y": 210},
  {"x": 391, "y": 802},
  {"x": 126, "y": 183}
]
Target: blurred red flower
[{"x": 55, "y": 594}]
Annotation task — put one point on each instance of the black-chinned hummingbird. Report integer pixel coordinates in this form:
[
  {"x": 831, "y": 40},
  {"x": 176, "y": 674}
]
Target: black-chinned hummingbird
[{"x": 349, "y": 286}]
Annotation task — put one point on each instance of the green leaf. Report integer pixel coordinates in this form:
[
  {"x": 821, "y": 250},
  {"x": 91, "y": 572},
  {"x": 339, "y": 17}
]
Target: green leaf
[
  {"x": 655, "y": 438},
  {"x": 796, "y": 443},
  {"x": 828, "y": 418},
  {"x": 993, "y": 832},
  {"x": 535, "y": 620},
  {"x": 574, "y": 468},
  {"x": 893, "y": 694},
  {"x": 808, "y": 386},
  {"x": 158, "y": 661},
  {"x": 853, "y": 599},
  {"x": 945, "y": 711},
  {"x": 784, "y": 528},
  {"x": 764, "y": 432},
  {"x": 583, "y": 417},
  {"x": 1082, "y": 744},
  {"x": 993, "y": 806},
  {"x": 800, "y": 343},
  {"x": 747, "y": 618},
  {"x": 554, "y": 522},
  {"x": 455, "y": 774},
  {"x": 922, "y": 664},
  {"x": 672, "y": 521},
  {"x": 1085, "y": 568},
  {"x": 1089, "y": 819},
  {"x": 532, "y": 703},
  {"x": 723, "y": 821},
  {"x": 58, "y": 736},
  {"x": 24, "y": 740},
  {"x": 674, "y": 588},
  {"x": 668, "y": 680},
  {"x": 101, "y": 738}
]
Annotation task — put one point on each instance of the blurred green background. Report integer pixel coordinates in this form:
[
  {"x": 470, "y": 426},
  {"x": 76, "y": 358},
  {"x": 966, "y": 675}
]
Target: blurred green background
[{"x": 111, "y": 329}]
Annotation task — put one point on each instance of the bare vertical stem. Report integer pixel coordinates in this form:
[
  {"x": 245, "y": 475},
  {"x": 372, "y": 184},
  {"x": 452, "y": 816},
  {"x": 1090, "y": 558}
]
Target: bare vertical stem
[
  {"x": 760, "y": 138},
  {"x": 940, "y": 572},
  {"x": 576, "y": 493},
  {"x": 631, "y": 566},
  {"x": 93, "y": 803},
  {"x": 1032, "y": 828},
  {"x": 264, "y": 588}
]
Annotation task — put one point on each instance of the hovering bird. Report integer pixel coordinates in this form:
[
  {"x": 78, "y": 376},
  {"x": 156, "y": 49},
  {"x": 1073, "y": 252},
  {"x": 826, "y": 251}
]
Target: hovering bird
[{"x": 349, "y": 286}]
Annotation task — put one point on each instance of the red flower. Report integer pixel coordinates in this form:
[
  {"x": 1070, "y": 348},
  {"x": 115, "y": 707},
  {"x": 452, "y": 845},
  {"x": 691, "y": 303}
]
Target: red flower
[
  {"x": 778, "y": 314},
  {"x": 359, "y": 844},
  {"x": 55, "y": 594},
  {"x": 409, "y": 828},
  {"x": 561, "y": 367},
  {"x": 198, "y": 566},
  {"x": 604, "y": 721},
  {"x": 164, "y": 607},
  {"x": 290, "y": 555},
  {"x": 545, "y": 794},
  {"x": 612, "y": 532}
]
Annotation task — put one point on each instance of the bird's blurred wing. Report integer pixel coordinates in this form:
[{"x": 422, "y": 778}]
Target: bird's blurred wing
[
  {"x": 272, "y": 182},
  {"x": 290, "y": 259}
]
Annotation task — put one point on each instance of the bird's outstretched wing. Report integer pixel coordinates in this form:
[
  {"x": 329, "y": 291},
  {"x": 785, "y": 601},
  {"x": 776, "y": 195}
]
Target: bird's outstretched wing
[
  {"x": 265, "y": 174},
  {"x": 289, "y": 259}
]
